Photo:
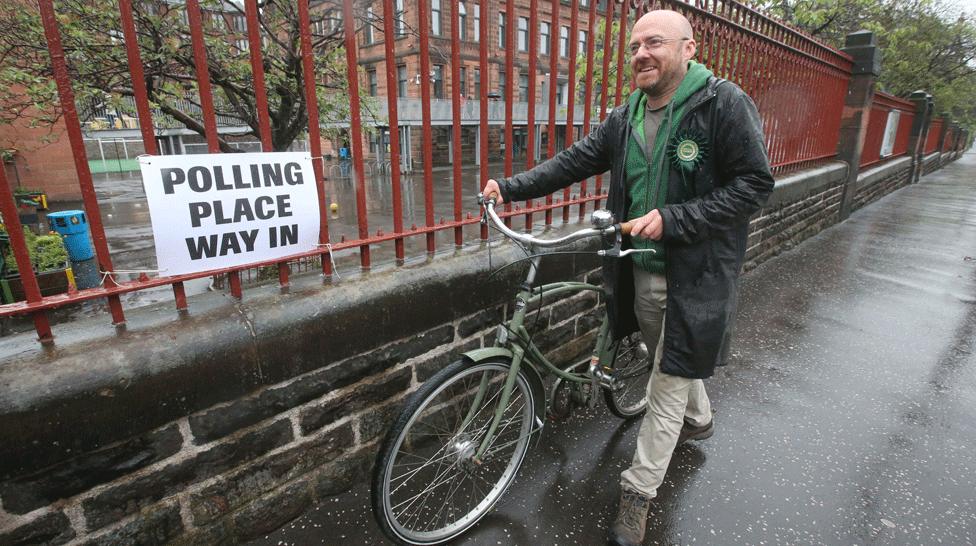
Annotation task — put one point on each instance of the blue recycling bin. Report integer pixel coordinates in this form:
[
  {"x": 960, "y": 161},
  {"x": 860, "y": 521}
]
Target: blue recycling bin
[{"x": 72, "y": 225}]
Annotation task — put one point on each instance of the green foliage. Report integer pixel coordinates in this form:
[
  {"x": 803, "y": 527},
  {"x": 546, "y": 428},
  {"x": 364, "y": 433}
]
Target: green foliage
[
  {"x": 614, "y": 71},
  {"x": 49, "y": 253},
  {"x": 926, "y": 45},
  {"x": 46, "y": 252},
  {"x": 96, "y": 56}
]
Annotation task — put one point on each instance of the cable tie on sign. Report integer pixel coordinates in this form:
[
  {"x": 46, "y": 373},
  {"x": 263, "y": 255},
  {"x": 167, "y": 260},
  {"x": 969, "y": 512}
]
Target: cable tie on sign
[
  {"x": 107, "y": 274},
  {"x": 335, "y": 270}
]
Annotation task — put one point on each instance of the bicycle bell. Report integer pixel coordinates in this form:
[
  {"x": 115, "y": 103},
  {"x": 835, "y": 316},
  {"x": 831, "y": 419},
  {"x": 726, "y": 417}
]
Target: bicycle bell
[{"x": 602, "y": 219}]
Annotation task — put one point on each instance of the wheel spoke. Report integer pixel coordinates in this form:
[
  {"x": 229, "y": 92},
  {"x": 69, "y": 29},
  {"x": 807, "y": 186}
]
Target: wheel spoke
[{"x": 433, "y": 489}]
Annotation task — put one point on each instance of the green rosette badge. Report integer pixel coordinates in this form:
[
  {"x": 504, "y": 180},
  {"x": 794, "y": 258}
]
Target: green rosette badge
[{"x": 687, "y": 151}]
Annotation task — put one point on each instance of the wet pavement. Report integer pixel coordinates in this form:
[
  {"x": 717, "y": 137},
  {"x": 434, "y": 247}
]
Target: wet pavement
[{"x": 844, "y": 417}]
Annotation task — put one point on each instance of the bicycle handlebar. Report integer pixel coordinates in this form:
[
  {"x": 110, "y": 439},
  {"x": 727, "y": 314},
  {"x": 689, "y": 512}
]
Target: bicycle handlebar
[{"x": 489, "y": 204}]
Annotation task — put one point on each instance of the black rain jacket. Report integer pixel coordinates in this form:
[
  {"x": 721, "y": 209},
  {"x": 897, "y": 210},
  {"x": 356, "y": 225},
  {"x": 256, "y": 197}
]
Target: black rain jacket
[{"x": 706, "y": 220}]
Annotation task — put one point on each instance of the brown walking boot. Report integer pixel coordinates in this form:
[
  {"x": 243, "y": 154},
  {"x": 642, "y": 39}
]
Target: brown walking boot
[
  {"x": 691, "y": 432},
  {"x": 628, "y": 529}
]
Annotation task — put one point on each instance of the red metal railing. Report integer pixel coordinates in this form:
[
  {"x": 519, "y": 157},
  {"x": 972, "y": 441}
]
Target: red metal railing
[
  {"x": 935, "y": 132},
  {"x": 797, "y": 83},
  {"x": 881, "y": 107},
  {"x": 950, "y": 140}
]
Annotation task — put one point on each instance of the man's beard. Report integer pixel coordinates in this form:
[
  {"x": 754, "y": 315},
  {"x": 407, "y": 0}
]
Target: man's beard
[{"x": 666, "y": 82}]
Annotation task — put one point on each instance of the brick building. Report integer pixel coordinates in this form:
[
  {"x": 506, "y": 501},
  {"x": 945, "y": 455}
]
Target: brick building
[{"x": 552, "y": 39}]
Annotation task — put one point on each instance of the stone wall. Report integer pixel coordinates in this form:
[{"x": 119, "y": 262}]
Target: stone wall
[
  {"x": 224, "y": 424},
  {"x": 878, "y": 181},
  {"x": 802, "y": 205}
]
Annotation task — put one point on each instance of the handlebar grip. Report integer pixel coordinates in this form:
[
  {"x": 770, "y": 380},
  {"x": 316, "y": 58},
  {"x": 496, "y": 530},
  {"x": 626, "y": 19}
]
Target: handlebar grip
[{"x": 625, "y": 227}]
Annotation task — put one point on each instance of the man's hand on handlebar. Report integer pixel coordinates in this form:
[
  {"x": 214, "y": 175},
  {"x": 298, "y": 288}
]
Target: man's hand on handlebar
[
  {"x": 492, "y": 187},
  {"x": 649, "y": 226}
]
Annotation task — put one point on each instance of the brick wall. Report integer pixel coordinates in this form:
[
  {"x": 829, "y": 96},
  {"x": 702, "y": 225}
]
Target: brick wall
[
  {"x": 240, "y": 469},
  {"x": 43, "y": 161}
]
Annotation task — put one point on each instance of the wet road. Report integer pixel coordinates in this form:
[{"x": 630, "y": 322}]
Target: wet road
[{"x": 846, "y": 415}]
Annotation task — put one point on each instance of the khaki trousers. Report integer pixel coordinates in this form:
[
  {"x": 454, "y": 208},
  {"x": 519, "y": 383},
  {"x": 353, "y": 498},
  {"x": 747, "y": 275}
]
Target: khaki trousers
[{"x": 671, "y": 399}]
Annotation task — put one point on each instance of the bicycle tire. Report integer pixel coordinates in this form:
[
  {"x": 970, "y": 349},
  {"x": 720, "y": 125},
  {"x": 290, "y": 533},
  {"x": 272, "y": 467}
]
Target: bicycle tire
[
  {"x": 632, "y": 370},
  {"x": 444, "y": 398}
]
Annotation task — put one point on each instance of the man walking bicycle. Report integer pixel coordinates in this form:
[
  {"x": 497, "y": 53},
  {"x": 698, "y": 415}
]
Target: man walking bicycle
[{"x": 688, "y": 166}]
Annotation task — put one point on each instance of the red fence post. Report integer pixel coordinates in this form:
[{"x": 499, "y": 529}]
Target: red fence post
[
  {"x": 73, "y": 128},
  {"x": 261, "y": 99},
  {"x": 356, "y": 128},
  {"x": 142, "y": 108},
  {"x": 857, "y": 108},
  {"x": 8, "y": 207},
  {"x": 314, "y": 132}
]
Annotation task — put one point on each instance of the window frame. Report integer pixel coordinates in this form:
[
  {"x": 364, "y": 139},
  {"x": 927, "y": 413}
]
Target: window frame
[
  {"x": 436, "y": 21},
  {"x": 522, "y": 35},
  {"x": 545, "y": 38}
]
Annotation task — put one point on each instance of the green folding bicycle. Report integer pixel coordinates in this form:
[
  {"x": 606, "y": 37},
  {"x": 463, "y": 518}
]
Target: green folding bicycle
[{"x": 459, "y": 440}]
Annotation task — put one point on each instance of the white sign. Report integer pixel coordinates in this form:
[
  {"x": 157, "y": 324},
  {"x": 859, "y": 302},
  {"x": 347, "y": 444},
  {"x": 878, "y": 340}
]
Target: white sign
[
  {"x": 223, "y": 210},
  {"x": 891, "y": 132}
]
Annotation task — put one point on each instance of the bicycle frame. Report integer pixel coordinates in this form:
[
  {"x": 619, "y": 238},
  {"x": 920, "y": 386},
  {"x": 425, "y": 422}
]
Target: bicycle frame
[{"x": 514, "y": 337}]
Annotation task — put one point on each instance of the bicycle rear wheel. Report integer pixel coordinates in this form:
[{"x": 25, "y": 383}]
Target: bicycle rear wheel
[
  {"x": 631, "y": 372},
  {"x": 427, "y": 485}
]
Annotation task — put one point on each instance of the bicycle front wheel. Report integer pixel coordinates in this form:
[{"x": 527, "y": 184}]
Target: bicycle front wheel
[
  {"x": 428, "y": 486},
  {"x": 631, "y": 372}
]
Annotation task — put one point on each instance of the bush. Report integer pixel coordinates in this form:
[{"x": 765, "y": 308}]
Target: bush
[{"x": 47, "y": 252}]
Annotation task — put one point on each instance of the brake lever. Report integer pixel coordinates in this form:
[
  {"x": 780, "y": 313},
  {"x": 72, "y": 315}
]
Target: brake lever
[{"x": 615, "y": 252}]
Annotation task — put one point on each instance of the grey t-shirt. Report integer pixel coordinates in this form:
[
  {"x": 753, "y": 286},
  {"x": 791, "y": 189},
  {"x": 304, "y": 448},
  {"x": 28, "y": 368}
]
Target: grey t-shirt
[{"x": 652, "y": 120}]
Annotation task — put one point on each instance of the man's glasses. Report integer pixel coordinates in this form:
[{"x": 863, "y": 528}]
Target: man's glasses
[{"x": 653, "y": 44}]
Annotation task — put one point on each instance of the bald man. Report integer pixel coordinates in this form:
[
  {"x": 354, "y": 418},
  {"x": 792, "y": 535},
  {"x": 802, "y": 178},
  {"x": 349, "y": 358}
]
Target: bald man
[{"x": 688, "y": 166}]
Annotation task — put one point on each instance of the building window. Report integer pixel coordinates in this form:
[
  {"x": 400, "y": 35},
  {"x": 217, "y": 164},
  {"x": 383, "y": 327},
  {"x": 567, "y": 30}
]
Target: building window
[
  {"x": 372, "y": 81},
  {"x": 239, "y": 22},
  {"x": 477, "y": 83},
  {"x": 562, "y": 91},
  {"x": 563, "y": 41},
  {"x": 544, "y": 36},
  {"x": 462, "y": 16},
  {"x": 435, "y": 17},
  {"x": 438, "y": 81},
  {"x": 401, "y": 24},
  {"x": 524, "y": 88},
  {"x": 368, "y": 31},
  {"x": 582, "y": 41},
  {"x": 401, "y": 80},
  {"x": 463, "y": 82},
  {"x": 501, "y": 29},
  {"x": 502, "y": 84},
  {"x": 477, "y": 22},
  {"x": 584, "y": 3},
  {"x": 523, "y": 33}
]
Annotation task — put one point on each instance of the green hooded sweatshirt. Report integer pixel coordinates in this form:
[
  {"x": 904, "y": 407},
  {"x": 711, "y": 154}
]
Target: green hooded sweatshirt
[{"x": 647, "y": 183}]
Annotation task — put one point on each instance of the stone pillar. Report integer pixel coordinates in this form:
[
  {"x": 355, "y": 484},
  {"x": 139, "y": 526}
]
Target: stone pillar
[
  {"x": 916, "y": 139},
  {"x": 862, "y": 48},
  {"x": 946, "y": 127}
]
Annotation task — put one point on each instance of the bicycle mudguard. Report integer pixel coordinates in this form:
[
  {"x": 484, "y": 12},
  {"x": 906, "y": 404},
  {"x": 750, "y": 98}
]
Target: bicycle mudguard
[
  {"x": 477, "y": 355},
  {"x": 535, "y": 380}
]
